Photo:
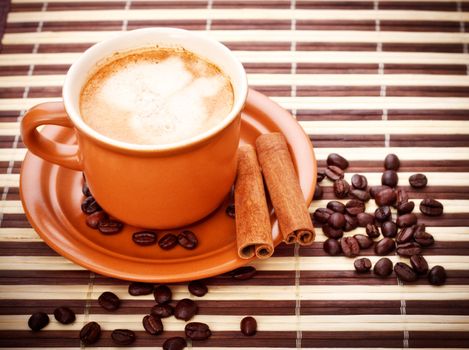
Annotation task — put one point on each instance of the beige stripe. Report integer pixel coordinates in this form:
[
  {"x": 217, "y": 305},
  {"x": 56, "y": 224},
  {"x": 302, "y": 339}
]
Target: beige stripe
[
  {"x": 9, "y": 180},
  {"x": 19, "y": 235},
  {"x": 16, "y": 154}
]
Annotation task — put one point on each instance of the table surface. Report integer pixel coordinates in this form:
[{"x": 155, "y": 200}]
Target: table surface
[{"x": 363, "y": 78}]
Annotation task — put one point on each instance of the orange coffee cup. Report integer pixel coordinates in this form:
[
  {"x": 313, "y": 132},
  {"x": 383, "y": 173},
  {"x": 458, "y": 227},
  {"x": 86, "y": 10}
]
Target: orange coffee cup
[{"x": 149, "y": 186}]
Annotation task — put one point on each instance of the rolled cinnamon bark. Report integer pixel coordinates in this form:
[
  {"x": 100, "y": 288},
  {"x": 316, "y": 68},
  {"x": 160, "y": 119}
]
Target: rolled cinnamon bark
[
  {"x": 253, "y": 230},
  {"x": 284, "y": 189}
]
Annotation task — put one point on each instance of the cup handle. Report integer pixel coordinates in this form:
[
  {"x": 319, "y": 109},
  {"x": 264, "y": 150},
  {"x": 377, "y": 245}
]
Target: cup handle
[{"x": 50, "y": 113}]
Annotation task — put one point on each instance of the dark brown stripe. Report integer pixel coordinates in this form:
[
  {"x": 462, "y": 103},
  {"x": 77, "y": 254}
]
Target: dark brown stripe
[
  {"x": 27, "y": 307},
  {"x": 68, "y": 277},
  {"x": 419, "y": 26},
  {"x": 78, "y": 6},
  {"x": 424, "y": 69},
  {"x": 335, "y": 47},
  {"x": 14, "y": 70},
  {"x": 424, "y": 6},
  {"x": 416, "y": 47},
  {"x": 445, "y": 340},
  {"x": 279, "y": 4},
  {"x": 428, "y": 91},
  {"x": 258, "y": 46},
  {"x": 402, "y": 114},
  {"x": 429, "y": 141},
  {"x": 25, "y": 7},
  {"x": 21, "y": 27},
  {"x": 408, "y": 166},
  {"x": 337, "y": 68},
  {"x": 23, "y": 48},
  {"x": 335, "y": 25},
  {"x": 245, "y": 24},
  {"x": 185, "y": 24},
  {"x": 347, "y": 140},
  {"x": 168, "y": 4},
  {"x": 334, "y": 5},
  {"x": 338, "y": 91},
  {"x": 353, "y": 114}
]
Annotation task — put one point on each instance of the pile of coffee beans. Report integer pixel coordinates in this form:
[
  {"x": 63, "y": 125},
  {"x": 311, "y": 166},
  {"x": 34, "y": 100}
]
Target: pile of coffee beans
[
  {"x": 62, "y": 314},
  {"x": 404, "y": 235}
]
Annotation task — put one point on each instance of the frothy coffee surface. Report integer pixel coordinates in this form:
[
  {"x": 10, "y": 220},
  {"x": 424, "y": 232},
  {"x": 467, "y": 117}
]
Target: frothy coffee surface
[{"x": 156, "y": 96}]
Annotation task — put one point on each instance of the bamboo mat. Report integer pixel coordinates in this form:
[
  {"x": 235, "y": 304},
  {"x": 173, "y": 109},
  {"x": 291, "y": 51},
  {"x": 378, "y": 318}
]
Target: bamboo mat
[{"x": 364, "y": 79}]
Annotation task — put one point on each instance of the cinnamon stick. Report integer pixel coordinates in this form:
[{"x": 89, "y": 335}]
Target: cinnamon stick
[
  {"x": 253, "y": 230},
  {"x": 284, "y": 189}
]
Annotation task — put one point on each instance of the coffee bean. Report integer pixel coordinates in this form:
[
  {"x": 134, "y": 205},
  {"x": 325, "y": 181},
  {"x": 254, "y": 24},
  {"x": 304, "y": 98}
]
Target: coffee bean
[
  {"x": 405, "y": 272},
  {"x": 230, "y": 210},
  {"x": 341, "y": 188},
  {"x": 401, "y": 196},
  {"x": 321, "y": 215},
  {"x": 89, "y": 205},
  {"x": 350, "y": 247},
  {"x": 336, "y": 206},
  {"x": 109, "y": 301},
  {"x": 109, "y": 226},
  {"x": 152, "y": 324},
  {"x": 144, "y": 238},
  {"x": 90, "y": 333},
  {"x": 168, "y": 241},
  {"x": 408, "y": 249},
  {"x": 139, "y": 288},
  {"x": 362, "y": 265},
  {"x": 383, "y": 213},
  {"x": 364, "y": 242},
  {"x": 361, "y": 195},
  {"x": 162, "y": 311},
  {"x": 405, "y": 208},
  {"x": 332, "y": 246},
  {"x": 418, "y": 181},
  {"x": 372, "y": 230},
  {"x": 374, "y": 190},
  {"x": 359, "y": 182},
  {"x": 391, "y": 162},
  {"x": 419, "y": 264},
  {"x": 197, "y": 288},
  {"x": 123, "y": 336},
  {"x": 85, "y": 189},
  {"x": 336, "y": 220},
  {"x": 365, "y": 219},
  {"x": 405, "y": 235},
  {"x": 243, "y": 273},
  {"x": 354, "y": 207},
  {"x": 38, "y": 321},
  {"x": 389, "y": 229},
  {"x": 423, "y": 238},
  {"x": 431, "y": 207},
  {"x": 406, "y": 220},
  {"x": 64, "y": 315},
  {"x": 248, "y": 326},
  {"x": 162, "y": 294},
  {"x": 389, "y": 178},
  {"x": 93, "y": 220},
  {"x": 188, "y": 240},
  {"x": 351, "y": 223},
  {"x": 385, "y": 197},
  {"x": 383, "y": 267},
  {"x": 321, "y": 175},
  {"x": 174, "y": 343},
  {"x": 197, "y": 331},
  {"x": 318, "y": 192},
  {"x": 334, "y": 173},
  {"x": 437, "y": 275},
  {"x": 337, "y": 160},
  {"x": 332, "y": 232},
  {"x": 385, "y": 246}
]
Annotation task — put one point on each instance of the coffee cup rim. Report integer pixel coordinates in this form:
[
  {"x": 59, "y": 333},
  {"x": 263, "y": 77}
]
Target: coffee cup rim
[{"x": 240, "y": 90}]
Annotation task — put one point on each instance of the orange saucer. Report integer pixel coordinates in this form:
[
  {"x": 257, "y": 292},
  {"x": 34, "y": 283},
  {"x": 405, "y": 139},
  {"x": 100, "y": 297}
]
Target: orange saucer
[{"x": 51, "y": 197}]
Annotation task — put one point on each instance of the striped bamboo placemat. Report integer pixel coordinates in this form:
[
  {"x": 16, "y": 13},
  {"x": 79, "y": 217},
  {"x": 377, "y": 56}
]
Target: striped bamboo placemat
[{"x": 364, "y": 79}]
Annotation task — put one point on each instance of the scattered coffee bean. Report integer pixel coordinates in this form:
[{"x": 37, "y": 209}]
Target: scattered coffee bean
[
  {"x": 152, "y": 324},
  {"x": 89, "y": 205},
  {"x": 362, "y": 265},
  {"x": 64, "y": 315},
  {"x": 162, "y": 311},
  {"x": 90, "y": 333},
  {"x": 334, "y": 173},
  {"x": 437, "y": 275},
  {"x": 383, "y": 267},
  {"x": 332, "y": 246},
  {"x": 372, "y": 231},
  {"x": 406, "y": 220},
  {"x": 123, "y": 336},
  {"x": 109, "y": 301},
  {"x": 418, "y": 181},
  {"x": 321, "y": 215},
  {"x": 354, "y": 207},
  {"x": 336, "y": 206},
  {"x": 385, "y": 246},
  {"x": 144, "y": 238},
  {"x": 408, "y": 249},
  {"x": 350, "y": 247},
  {"x": 374, "y": 190},
  {"x": 197, "y": 331},
  {"x": 318, "y": 192},
  {"x": 419, "y": 264},
  {"x": 85, "y": 189},
  {"x": 321, "y": 175},
  {"x": 391, "y": 162},
  {"x": 230, "y": 211},
  {"x": 197, "y": 288},
  {"x": 168, "y": 241},
  {"x": 385, "y": 197},
  {"x": 188, "y": 240},
  {"x": 389, "y": 178},
  {"x": 341, "y": 188},
  {"x": 162, "y": 294},
  {"x": 351, "y": 222},
  {"x": 365, "y": 219},
  {"x": 405, "y": 235},
  {"x": 332, "y": 232},
  {"x": 359, "y": 182},
  {"x": 431, "y": 207},
  {"x": 248, "y": 326},
  {"x": 109, "y": 226},
  {"x": 383, "y": 213},
  {"x": 93, "y": 220},
  {"x": 361, "y": 195},
  {"x": 243, "y": 273},
  {"x": 364, "y": 242},
  {"x": 389, "y": 229},
  {"x": 38, "y": 321},
  {"x": 405, "y": 208},
  {"x": 336, "y": 220},
  {"x": 405, "y": 272},
  {"x": 423, "y": 238},
  {"x": 139, "y": 288},
  {"x": 174, "y": 343},
  {"x": 337, "y": 160}
]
